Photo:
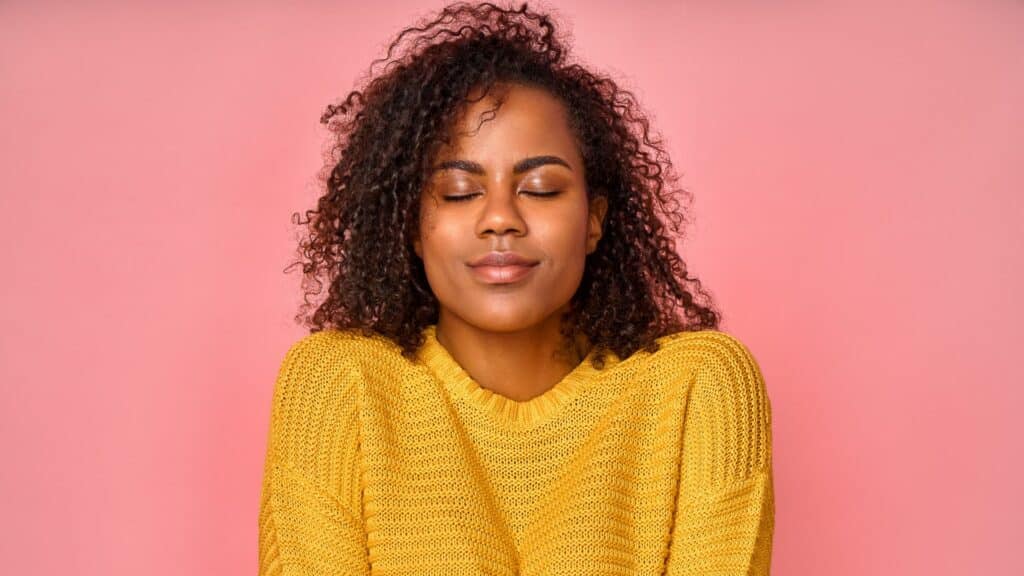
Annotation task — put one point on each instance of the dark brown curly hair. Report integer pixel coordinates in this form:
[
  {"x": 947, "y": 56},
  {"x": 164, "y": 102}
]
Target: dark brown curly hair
[{"x": 635, "y": 286}]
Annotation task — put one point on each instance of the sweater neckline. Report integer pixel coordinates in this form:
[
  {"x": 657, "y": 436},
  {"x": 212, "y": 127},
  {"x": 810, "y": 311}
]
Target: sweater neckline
[{"x": 514, "y": 412}]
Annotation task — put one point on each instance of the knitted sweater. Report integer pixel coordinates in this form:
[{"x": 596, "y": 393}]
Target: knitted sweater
[{"x": 659, "y": 463}]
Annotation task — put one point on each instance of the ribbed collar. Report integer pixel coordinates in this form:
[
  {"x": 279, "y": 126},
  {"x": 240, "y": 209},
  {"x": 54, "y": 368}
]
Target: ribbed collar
[{"x": 512, "y": 412}]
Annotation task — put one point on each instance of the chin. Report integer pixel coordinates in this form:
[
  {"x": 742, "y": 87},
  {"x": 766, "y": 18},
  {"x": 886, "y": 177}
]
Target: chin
[{"x": 502, "y": 318}]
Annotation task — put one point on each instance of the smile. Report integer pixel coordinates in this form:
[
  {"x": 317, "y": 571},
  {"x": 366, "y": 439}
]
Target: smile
[{"x": 502, "y": 274}]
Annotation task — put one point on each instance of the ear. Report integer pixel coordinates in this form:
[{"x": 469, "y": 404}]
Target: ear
[
  {"x": 595, "y": 225},
  {"x": 417, "y": 247}
]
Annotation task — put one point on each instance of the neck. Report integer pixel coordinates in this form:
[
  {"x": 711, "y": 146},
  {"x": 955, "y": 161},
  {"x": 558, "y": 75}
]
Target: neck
[{"x": 519, "y": 364}]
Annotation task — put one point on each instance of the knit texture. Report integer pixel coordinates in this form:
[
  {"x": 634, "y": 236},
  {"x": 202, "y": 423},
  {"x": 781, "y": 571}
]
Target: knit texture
[{"x": 659, "y": 463}]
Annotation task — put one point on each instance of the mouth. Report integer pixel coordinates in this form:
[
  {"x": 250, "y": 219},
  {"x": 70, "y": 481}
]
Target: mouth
[{"x": 507, "y": 274}]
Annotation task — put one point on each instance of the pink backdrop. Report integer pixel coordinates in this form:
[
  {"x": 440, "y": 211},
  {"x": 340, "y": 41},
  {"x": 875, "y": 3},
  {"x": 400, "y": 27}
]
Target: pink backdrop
[{"x": 857, "y": 173}]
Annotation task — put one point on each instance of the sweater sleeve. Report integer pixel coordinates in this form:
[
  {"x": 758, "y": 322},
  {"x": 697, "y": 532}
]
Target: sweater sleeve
[
  {"x": 724, "y": 517},
  {"x": 310, "y": 520}
]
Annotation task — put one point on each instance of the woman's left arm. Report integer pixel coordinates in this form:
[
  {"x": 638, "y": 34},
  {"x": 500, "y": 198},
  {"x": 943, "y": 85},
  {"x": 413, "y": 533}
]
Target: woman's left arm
[{"x": 724, "y": 518}]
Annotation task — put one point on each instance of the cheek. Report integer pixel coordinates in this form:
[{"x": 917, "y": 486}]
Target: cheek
[
  {"x": 431, "y": 234},
  {"x": 441, "y": 244},
  {"x": 564, "y": 238}
]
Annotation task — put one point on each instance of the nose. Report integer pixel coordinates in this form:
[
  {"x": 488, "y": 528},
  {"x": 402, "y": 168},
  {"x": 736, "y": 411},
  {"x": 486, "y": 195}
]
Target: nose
[{"x": 500, "y": 214}]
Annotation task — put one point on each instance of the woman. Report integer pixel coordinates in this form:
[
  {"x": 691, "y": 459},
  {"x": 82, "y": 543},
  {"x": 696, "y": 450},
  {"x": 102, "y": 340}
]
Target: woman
[{"x": 511, "y": 372}]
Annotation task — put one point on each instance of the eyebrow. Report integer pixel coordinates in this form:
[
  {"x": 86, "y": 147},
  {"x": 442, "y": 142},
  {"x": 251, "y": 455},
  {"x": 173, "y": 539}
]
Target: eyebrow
[{"x": 520, "y": 166}]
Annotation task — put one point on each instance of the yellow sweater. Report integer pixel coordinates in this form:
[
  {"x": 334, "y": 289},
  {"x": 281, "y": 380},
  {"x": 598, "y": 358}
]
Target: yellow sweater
[{"x": 659, "y": 463}]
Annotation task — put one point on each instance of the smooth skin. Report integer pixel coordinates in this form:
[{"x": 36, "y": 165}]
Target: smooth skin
[{"x": 506, "y": 336}]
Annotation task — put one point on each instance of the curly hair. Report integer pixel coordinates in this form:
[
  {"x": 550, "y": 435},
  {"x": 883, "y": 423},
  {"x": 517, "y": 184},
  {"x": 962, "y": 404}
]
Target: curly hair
[{"x": 635, "y": 287}]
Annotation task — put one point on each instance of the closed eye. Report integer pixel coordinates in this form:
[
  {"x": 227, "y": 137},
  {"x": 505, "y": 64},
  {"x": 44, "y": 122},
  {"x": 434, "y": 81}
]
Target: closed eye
[
  {"x": 537, "y": 193},
  {"x": 462, "y": 198}
]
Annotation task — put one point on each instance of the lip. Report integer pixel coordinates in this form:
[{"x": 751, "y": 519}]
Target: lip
[
  {"x": 506, "y": 258},
  {"x": 502, "y": 267},
  {"x": 502, "y": 274}
]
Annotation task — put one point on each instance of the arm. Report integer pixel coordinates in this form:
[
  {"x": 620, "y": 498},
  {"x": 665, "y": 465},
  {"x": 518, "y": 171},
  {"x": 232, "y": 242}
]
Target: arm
[
  {"x": 724, "y": 518},
  {"x": 310, "y": 520}
]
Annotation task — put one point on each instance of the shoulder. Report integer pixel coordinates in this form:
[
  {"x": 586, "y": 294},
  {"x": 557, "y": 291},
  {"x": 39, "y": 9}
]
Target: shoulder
[
  {"x": 315, "y": 410},
  {"x": 729, "y": 391},
  {"x": 706, "y": 342},
  {"x": 322, "y": 369},
  {"x": 329, "y": 352},
  {"x": 720, "y": 368},
  {"x": 711, "y": 349},
  {"x": 342, "y": 368},
  {"x": 714, "y": 353},
  {"x": 317, "y": 395},
  {"x": 728, "y": 414}
]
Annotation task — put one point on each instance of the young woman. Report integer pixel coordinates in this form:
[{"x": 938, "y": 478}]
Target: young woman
[{"x": 511, "y": 371}]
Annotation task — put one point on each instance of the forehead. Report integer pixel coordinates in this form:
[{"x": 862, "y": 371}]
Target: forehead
[{"x": 510, "y": 123}]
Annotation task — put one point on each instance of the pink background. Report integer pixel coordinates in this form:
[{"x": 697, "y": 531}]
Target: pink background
[{"x": 857, "y": 173}]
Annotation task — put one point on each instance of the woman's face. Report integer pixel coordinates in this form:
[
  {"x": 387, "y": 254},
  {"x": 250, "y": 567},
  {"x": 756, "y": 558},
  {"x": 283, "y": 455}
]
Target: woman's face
[{"x": 514, "y": 186}]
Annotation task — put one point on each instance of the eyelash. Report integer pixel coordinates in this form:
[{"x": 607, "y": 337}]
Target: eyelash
[{"x": 537, "y": 193}]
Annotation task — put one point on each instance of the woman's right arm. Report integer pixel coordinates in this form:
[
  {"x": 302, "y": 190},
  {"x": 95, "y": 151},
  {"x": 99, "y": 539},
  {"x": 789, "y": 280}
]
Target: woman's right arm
[{"x": 310, "y": 520}]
